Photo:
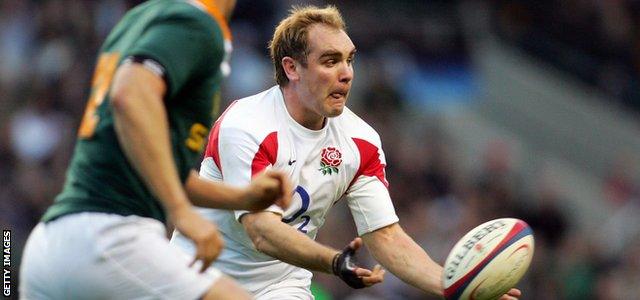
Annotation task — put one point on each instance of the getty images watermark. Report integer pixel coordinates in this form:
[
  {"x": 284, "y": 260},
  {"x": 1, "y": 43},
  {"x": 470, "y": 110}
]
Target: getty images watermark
[{"x": 6, "y": 263}]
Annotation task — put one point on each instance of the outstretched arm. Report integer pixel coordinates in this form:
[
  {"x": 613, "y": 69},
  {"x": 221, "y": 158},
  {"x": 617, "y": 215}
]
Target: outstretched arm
[
  {"x": 269, "y": 187},
  {"x": 401, "y": 255}
]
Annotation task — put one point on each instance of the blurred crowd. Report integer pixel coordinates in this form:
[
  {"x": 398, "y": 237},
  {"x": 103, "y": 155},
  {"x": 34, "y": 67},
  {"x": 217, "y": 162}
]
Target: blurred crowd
[
  {"x": 47, "y": 52},
  {"x": 596, "y": 40}
]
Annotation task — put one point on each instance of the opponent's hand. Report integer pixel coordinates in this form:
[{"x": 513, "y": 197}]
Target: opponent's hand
[
  {"x": 266, "y": 188},
  {"x": 513, "y": 294},
  {"x": 356, "y": 277},
  {"x": 204, "y": 234}
]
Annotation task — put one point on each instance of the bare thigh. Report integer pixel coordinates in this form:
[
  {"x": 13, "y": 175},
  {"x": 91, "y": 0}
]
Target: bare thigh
[{"x": 226, "y": 289}]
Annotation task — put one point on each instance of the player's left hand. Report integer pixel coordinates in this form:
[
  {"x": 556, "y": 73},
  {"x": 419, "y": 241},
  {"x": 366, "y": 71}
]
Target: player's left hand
[
  {"x": 512, "y": 294},
  {"x": 204, "y": 234},
  {"x": 374, "y": 276}
]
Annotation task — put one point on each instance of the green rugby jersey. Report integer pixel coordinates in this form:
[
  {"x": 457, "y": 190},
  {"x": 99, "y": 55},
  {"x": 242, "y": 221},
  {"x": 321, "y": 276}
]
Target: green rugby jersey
[{"x": 191, "y": 42}]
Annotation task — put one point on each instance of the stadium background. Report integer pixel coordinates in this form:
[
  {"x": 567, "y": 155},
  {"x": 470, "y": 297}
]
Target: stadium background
[{"x": 485, "y": 109}]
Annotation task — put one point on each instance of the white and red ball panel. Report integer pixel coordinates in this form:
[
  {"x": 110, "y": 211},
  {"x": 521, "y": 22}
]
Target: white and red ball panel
[{"x": 489, "y": 260}]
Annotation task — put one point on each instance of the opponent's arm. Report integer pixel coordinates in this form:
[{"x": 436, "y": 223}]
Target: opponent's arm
[
  {"x": 401, "y": 255},
  {"x": 137, "y": 101},
  {"x": 141, "y": 124},
  {"x": 279, "y": 240},
  {"x": 266, "y": 188}
]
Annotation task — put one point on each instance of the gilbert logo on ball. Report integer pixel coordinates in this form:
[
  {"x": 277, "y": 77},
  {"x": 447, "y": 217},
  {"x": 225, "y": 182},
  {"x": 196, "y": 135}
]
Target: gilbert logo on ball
[{"x": 489, "y": 260}]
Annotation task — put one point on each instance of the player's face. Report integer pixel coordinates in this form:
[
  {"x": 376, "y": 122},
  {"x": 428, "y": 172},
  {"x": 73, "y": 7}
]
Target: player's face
[{"x": 326, "y": 81}]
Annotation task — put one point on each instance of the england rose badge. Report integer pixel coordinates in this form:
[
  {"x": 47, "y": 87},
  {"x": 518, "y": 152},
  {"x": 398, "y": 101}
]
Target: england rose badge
[{"x": 330, "y": 159}]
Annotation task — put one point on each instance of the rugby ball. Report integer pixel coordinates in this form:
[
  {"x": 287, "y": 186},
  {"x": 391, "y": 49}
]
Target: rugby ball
[{"x": 489, "y": 260}]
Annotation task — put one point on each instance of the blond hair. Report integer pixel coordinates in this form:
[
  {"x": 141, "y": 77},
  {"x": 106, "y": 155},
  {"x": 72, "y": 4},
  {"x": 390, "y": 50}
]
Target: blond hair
[{"x": 291, "y": 35}]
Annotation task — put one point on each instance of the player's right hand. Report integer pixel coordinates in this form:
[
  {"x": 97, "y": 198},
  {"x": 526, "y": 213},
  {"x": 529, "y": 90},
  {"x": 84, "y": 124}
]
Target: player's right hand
[
  {"x": 344, "y": 266},
  {"x": 204, "y": 234},
  {"x": 267, "y": 188}
]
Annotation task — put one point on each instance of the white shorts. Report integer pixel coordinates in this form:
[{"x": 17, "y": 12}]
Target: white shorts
[
  {"x": 107, "y": 256},
  {"x": 290, "y": 289}
]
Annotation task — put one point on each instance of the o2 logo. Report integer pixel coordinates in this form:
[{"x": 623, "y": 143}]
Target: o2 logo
[{"x": 306, "y": 200}]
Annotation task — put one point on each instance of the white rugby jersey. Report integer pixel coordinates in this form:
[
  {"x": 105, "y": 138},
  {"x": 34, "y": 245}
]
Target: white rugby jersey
[{"x": 342, "y": 161}]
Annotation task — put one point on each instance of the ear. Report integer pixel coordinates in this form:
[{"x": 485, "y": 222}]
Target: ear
[{"x": 290, "y": 68}]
